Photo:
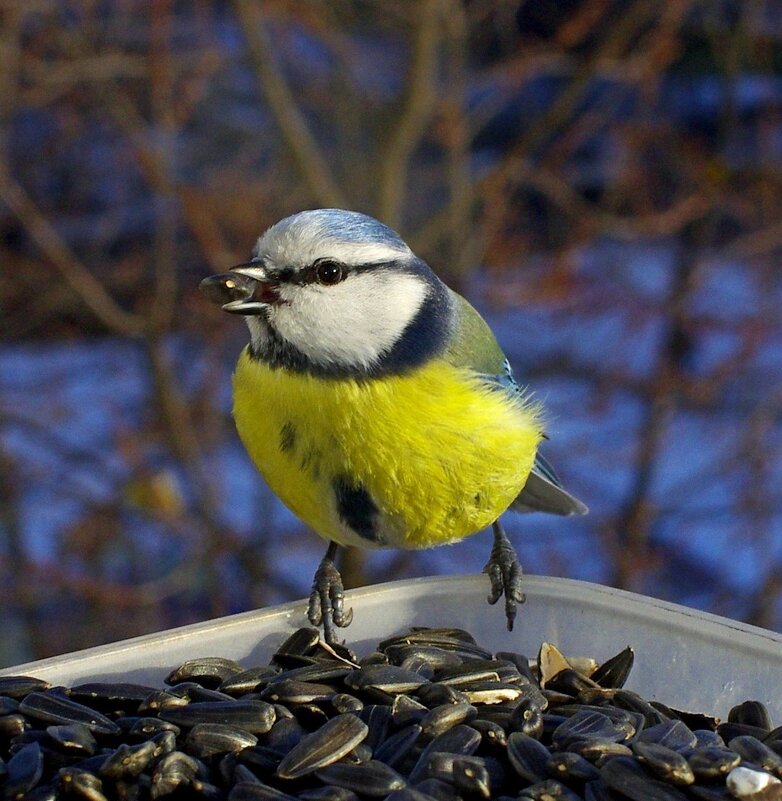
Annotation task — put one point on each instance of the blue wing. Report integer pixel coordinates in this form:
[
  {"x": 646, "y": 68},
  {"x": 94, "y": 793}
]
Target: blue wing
[
  {"x": 505, "y": 381},
  {"x": 543, "y": 491}
]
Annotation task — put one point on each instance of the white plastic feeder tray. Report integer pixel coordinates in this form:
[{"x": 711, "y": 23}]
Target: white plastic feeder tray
[{"x": 684, "y": 658}]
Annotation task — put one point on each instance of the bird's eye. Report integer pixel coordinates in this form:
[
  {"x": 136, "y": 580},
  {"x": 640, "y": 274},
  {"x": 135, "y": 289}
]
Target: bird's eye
[{"x": 328, "y": 272}]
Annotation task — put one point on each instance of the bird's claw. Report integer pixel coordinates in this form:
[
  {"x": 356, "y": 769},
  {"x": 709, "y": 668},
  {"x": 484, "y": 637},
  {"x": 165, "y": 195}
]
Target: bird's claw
[
  {"x": 505, "y": 574},
  {"x": 327, "y": 600}
]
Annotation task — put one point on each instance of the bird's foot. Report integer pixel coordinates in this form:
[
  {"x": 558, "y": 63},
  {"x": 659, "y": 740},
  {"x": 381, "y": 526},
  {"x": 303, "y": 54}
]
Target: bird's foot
[
  {"x": 327, "y": 598},
  {"x": 505, "y": 574}
]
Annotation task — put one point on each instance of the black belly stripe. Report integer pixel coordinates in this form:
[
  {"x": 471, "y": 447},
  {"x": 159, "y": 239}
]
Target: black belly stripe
[
  {"x": 356, "y": 508},
  {"x": 287, "y": 437}
]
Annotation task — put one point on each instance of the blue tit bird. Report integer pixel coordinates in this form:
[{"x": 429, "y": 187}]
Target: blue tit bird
[{"x": 377, "y": 403}]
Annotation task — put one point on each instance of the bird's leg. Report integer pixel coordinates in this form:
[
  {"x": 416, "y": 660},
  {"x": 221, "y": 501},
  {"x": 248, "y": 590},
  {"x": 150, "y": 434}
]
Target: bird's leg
[
  {"x": 504, "y": 571},
  {"x": 327, "y": 597}
]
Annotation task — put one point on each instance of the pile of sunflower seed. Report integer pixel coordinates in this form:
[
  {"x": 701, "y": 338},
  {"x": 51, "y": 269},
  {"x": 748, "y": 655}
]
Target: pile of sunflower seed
[{"x": 428, "y": 716}]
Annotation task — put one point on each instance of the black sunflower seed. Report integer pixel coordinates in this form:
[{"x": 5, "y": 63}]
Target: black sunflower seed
[
  {"x": 255, "y": 717},
  {"x": 615, "y": 671},
  {"x": 627, "y": 777},
  {"x": 23, "y": 771},
  {"x": 373, "y": 778},
  {"x": 51, "y": 708},
  {"x": 19, "y": 686},
  {"x": 208, "y": 671},
  {"x": 329, "y": 743},
  {"x": 393, "y": 750}
]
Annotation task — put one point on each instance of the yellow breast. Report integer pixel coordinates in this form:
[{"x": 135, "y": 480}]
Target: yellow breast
[{"x": 413, "y": 461}]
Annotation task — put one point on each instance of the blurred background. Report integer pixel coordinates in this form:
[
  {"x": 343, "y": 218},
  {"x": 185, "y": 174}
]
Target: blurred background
[{"x": 602, "y": 178}]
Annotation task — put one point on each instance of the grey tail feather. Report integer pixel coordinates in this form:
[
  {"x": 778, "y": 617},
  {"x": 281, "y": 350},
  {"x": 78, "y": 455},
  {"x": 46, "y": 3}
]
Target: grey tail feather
[{"x": 544, "y": 492}]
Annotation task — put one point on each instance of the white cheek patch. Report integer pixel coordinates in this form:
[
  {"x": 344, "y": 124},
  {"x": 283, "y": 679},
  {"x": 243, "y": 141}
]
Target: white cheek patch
[{"x": 351, "y": 324}]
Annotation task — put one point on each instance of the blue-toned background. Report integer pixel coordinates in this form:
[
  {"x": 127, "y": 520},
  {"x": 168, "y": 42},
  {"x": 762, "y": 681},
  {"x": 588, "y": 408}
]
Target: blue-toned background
[{"x": 602, "y": 179}]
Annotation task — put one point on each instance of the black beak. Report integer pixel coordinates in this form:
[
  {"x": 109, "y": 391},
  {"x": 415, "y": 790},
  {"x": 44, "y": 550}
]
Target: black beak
[{"x": 239, "y": 293}]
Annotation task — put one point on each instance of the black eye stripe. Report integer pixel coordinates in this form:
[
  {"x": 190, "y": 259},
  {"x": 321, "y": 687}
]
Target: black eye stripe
[{"x": 308, "y": 275}]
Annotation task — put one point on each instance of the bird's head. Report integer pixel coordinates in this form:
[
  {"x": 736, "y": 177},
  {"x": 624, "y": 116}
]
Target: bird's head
[{"x": 336, "y": 292}]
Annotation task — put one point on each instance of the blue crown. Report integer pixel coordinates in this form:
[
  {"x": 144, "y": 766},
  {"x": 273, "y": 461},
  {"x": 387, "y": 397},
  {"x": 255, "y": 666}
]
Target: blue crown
[{"x": 341, "y": 225}]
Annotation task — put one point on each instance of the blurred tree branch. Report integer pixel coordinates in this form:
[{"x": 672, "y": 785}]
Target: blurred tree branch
[
  {"x": 78, "y": 277},
  {"x": 615, "y": 41},
  {"x": 411, "y": 119},
  {"x": 21, "y": 614},
  {"x": 636, "y": 518},
  {"x": 566, "y": 152},
  {"x": 465, "y": 241},
  {"x": 304, "y": 148}
]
